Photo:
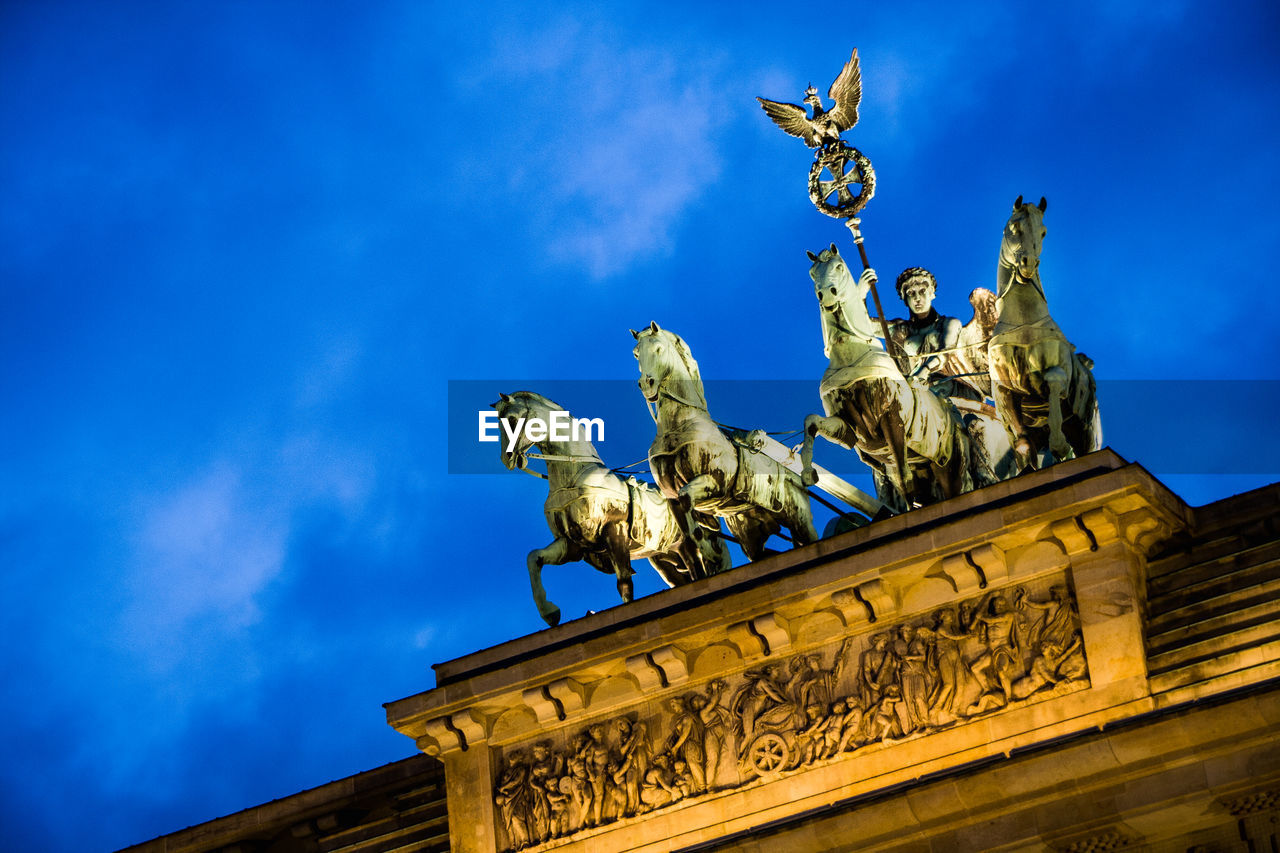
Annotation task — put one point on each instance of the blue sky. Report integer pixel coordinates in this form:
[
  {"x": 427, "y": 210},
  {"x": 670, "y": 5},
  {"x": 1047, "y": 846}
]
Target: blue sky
[{"x": 245, "y": 247}]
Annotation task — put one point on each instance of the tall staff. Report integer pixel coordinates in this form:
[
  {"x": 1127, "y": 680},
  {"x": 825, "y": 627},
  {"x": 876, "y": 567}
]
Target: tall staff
[{"x": 837, "y": 166}]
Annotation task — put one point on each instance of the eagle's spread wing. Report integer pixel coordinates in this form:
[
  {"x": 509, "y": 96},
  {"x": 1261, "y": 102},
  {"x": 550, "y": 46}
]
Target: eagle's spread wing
[
  {"x": 791, "y": 118},
  {"x": 847, "y": 93}
]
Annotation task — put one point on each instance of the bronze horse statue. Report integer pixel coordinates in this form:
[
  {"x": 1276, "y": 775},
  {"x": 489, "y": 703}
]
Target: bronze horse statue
[
  {"x": 1044, "y": 390},
  {"x": 694, "y": 462},
  {"x": 600, "y": 518},
  {"x": 913, "y": 439}
]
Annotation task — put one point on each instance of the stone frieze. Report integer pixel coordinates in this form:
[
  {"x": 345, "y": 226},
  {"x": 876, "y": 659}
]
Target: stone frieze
[{"x": 980, "y": 656}]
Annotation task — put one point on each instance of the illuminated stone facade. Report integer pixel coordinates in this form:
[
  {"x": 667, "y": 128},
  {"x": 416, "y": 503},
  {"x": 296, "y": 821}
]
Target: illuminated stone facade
[{"x": 1071, "y": 660}]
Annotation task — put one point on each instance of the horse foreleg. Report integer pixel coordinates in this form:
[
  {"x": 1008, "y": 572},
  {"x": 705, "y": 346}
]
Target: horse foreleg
[
  {"x": 1011, "y": 418},
  {"x": 834, "y": 430},
  {"x": 558, "y": 553},
  {"x": 1056, "y": 381}
]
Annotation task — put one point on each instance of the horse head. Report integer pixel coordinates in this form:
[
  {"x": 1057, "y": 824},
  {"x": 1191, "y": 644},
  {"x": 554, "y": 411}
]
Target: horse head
[
  {"x": 667, "y": 367},
  {"x": 1023, "y": 237},
  {"x": 512, "y": 408},
  {"x": 832, "y": 279},
  {"x": 841, "y": 300}
]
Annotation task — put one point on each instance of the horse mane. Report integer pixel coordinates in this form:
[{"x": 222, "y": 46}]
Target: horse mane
[
  {"x": 533, "y": 397},
  {"x": 690, "y": 365}
]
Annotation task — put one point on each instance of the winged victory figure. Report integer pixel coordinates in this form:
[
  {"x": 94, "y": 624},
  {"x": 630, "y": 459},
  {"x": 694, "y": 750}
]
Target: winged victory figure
[{"x": 825, "y": 126}]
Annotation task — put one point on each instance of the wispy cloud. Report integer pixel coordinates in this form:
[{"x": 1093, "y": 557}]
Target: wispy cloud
[
  {"x": 202, "y": 553},
  {"x": 602, "y": 144},
  {"x": 205, "y": 550}
]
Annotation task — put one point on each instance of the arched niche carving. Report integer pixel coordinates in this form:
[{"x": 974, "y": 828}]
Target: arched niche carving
[
  {"x": 1037, "y": 558},
  {"x": 818, "y": 627},
  {"x": 715, "y": 659},
  {"x": 614, "y": 690},
  {"x": 927, "y": 594},
  {"x": 513, "y": 723}
]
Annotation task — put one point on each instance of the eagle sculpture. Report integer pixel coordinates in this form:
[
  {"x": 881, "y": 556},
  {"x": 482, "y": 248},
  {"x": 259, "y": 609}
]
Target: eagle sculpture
[{"x": 825, "y": 126}]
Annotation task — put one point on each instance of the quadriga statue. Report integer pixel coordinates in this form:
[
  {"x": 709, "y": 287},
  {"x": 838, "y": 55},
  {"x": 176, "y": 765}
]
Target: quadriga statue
[
  {"x": 1043, "y": 388},
  {"x": 913, "y": 440},
  {"x": 694, "y": 462},
  {"x": 600, "y": 518}
]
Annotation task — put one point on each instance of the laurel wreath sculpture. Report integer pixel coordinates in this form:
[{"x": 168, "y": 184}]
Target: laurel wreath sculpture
[{"x": 847, "y": 166}]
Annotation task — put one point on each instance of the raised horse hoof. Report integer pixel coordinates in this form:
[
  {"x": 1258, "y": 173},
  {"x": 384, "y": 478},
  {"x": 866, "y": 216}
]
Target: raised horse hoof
[
  {"x": 551, "y": 617},
  {"x": 809, "y": 477}
]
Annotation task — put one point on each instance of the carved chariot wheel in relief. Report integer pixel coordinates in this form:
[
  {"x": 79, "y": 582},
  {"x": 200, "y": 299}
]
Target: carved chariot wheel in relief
[
  {"x": 836, "y": 170},
  {"x": 768, "y": 754}
]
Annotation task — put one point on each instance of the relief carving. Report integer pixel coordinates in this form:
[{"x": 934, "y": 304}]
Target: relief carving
[{"x": 914, "y": 678}]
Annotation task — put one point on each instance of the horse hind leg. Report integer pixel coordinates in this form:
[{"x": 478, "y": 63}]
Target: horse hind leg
[
  {"x": 752, "y": 531},
  {"x": 1010, "y": 415},
  {"x": 954, "y": 477},
  {"x": 894, "y": 433},
  {"x": 558, "y": 553},
  {"x": 618, "y": 546},
  {"x": 1056, "y": 382},
  {"x": 711, "y": 549},
  {"x": 798, "y": 515},
  {"x": 691, "y": 557}
]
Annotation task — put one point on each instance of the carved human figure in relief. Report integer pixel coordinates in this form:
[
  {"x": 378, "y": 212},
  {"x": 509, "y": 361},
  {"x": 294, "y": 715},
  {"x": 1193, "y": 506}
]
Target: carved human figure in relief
[
  {"x": 912, "y": 651},
  {"x": 851, "y": 729},
  {"x": 810, "y": 684},
  {"x": 597, "y": 764},
  {"x": 512, "y": 799},
  {"x": 957, "y": 687},
  {"x": 633, "y": 763},
  {"x": 1002, "y": 660},
  {"x": 686, "y": 741},
  {"x": 886, "y": 721},
  {"x": 544, "y": 770},
  {"x": 660, "y": 786},
  {"x": 1057, "y": 653},
  {"x": 1060, "y": 621},
  {"x": 811, "y": 739},
  {"x": 763, "y": 691},
  {"x": 559, "y": 798},
  {"x": 877, "y": 669},
  {"x": 715, "y": 726},
  {"x": 580, "y": 786}
]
